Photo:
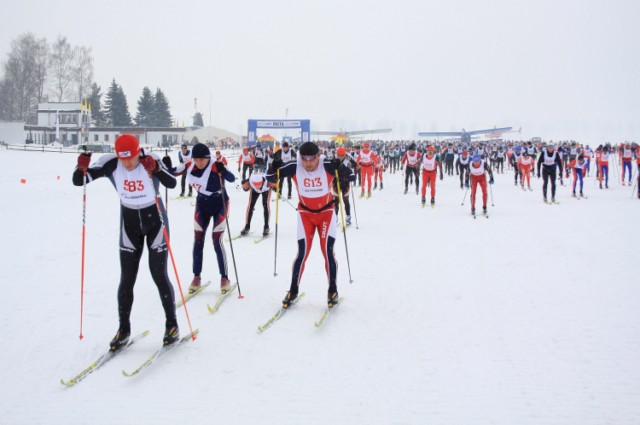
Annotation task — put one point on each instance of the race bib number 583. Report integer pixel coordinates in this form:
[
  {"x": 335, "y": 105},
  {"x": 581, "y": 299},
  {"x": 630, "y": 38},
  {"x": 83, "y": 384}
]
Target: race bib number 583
[{"x": 133, "y": 185}]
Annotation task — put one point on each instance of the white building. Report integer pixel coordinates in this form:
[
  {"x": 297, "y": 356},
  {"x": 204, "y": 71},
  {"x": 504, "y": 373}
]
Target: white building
[{"x": 69, "y": 124}]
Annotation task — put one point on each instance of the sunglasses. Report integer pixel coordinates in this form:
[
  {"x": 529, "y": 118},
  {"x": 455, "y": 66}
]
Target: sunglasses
[{"x": 308, "y": 158}]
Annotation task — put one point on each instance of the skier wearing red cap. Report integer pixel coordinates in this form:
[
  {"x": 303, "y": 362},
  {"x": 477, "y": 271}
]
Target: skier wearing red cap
[
  {"x": 246, "y": 161},
  {"x": 313, "y": 179},
  {"x": 626, "y": 158},
  {"x": 136, "y": 177},
  {"x": 366, "y": 161},
  {"x": 378, "y": 172},
  {"x": 430, "y": 166},
  {"x": 220, "y": 158},
  {"x": 525, "y": 165},
  {"x": 477, "y": 170},
  {"x": 207, "y": 178},
  {"x": 257, "y": 187},
  {"x": 578, "y": 166}
]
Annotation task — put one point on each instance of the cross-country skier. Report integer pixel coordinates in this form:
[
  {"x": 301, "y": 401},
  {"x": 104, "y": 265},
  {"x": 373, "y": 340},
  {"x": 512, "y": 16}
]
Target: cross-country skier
[
  {"x": 246, "y": 161},
  {"x": 462, "y": 167},
  {"x": 578, "y": 166},
  {"x": 345, "y": 177},
  {"x": 526, "y": 164},
  {"x": 207, "y": 178},
  {"x": 477, "y": 170},
  {"x": 626, "y": 158},
  {"x": 412, "y": 158},
  {"x": 136, "y": 178},
  {"x": 286, "y": 154},
  {"x": 549, "y": 160},
  {"x": 313, "y": 179},
  {"x": 257, "y": 187},
  {"x": 183, "y": 156},
  {"x": 366, "y": 161},
  {"x": 430, "y": 166}
]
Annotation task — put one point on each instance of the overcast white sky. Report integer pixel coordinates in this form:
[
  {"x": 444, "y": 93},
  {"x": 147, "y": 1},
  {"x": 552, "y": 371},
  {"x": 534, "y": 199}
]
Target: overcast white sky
[{"x": 556, "y": 68}]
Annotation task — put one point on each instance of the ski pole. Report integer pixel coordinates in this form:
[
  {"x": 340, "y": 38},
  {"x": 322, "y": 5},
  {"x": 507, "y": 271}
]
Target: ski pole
[
  {"x": 275, "y": 255},
  {"x": 166, "y": 189},
  {"x": 173, "y": 262},
  {"x": 465, "y": 195},
  {"x": 84, "y": 216},
  {"x": 353, "y": 201},
  {"x": 286, "y": 201},
  {"x": 634, "y": 185},
  {"x": 226, "y": 219},
  {"x": 344, "y": 230},
  {"x": 491, "y": 192}
]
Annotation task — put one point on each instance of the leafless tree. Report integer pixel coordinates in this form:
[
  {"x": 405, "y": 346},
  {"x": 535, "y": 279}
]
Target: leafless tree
[
  {"x": 82, "y": 69},
  {"x": 61, "y": 68},
  {"x": 25, "y": 73}
]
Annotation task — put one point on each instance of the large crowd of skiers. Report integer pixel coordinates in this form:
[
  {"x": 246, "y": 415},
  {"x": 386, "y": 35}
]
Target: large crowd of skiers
[{"x": 324, "y": 179}]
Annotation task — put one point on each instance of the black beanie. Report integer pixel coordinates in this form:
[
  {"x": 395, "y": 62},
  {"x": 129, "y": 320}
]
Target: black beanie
[
  {"x": 309, "y": 148},
  {"x": 200, "y": 151}
]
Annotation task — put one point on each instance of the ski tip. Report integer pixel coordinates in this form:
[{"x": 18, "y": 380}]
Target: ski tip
[
  {"x": 69, "y": 383},
  {"x": 241, "y": 297},
  {"x": 127, "y": 374}
]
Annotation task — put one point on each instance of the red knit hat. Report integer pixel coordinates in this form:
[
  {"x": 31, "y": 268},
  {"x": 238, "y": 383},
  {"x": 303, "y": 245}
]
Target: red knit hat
[
  {"x": 341, "y": 151},
  {"x": 127, "y": 146}
]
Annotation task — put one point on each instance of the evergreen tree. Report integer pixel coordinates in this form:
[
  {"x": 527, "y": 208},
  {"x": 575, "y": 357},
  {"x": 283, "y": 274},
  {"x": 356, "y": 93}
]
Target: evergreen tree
[
  {"x": 116, "y": 108},
  {"x": 146, "y": 105},
  {"x": 161, "y": 114},
  {"x": 197, "y": 120},
  {"x": 95, "y": 99}
]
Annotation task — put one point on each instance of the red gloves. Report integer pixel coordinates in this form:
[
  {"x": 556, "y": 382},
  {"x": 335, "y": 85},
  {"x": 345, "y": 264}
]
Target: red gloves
[
  {"x": 149, "y": 164},
  {"x": 84, "y": 159}
]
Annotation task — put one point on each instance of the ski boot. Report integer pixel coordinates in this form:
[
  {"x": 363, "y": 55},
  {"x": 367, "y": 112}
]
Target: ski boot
[
  {"x": 289, "y": 299},
  {"x": 348, "y": 220},
  {"x": 424, "y": 201},
  {"x": 433, "y": 202},
  {"x": 195, "y": 284},
  {"x": 120, "y": 340},
  {"x": 225, "y": 285},
  {"x": 368, "y": 194},
  {"x": 171, "y": 335},
  {"x": 244, "y": 231},
  {"x": 381, "y": 187},
  {"x": 484, "y": 211},
  {"x": 332, "y": 299},
  {"x": 375, "y": 185},
  {"x": 473, "y": 212},
  {"x": 573, "y": 195},
  {"x": 265, "y": 231},
  {"x": 405, "y": 190}
]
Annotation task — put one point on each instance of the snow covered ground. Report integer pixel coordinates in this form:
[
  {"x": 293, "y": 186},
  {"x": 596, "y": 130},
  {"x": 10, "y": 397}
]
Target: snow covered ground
[{"x": 530, "y": 317}]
